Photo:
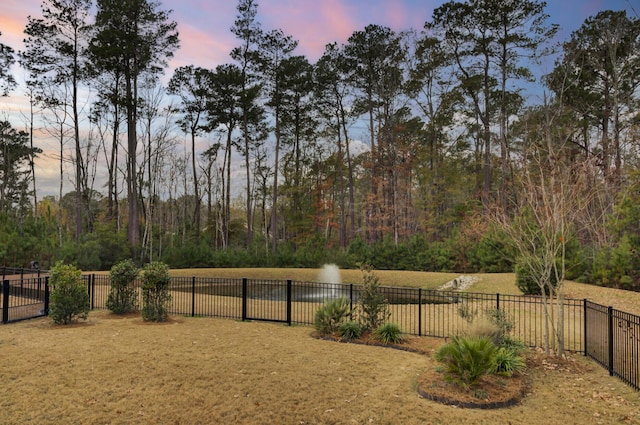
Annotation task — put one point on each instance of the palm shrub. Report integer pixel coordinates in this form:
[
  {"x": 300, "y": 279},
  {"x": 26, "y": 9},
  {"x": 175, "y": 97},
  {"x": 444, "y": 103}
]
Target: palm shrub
[
  {"x": 155, "y": 292},
  {"x": 388, "y": 333},
  {"x": 350, "y": 329},
  {"x": 69, "y": 299},
  {"x": 122, "y": 295},
  {"x": 373, "y": 309},
  {"x": 467, "y": 360},
  {"x": 331, "y": 314}
]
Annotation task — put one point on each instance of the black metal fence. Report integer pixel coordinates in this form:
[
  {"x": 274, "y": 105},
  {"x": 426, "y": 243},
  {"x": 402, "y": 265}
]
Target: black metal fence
[
  {"x": 24, "y": 293},
  {"x": 608, "y": 336}
]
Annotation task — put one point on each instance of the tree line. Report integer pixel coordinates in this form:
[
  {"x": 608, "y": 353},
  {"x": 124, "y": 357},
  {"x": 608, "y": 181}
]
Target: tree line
[{"x": 420, "y": 149}]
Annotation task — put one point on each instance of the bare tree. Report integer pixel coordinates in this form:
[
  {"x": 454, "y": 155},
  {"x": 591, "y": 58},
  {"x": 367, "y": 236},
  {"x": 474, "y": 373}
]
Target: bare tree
[{"x": 553, "y": 192}]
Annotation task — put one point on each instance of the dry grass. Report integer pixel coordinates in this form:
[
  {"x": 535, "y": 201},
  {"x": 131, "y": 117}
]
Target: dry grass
[{"x": 121, "y": 370}]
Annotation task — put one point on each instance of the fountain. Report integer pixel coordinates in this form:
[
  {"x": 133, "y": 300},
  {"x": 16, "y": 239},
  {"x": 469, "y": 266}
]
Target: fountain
[{"x": 329, "y": 274}]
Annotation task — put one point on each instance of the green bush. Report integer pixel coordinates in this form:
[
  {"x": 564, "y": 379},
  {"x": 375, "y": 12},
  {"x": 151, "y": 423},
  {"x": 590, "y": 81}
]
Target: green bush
[
  {"x": 373, "y": 309},
  {"x": 331, "y": 314},
  {"x": 467, "y": 360},
  {"x": 388, "y": 333},
  {"x": 350, "y": 330},
  {"x": 513, "y": 344},
  {"x": 123, "y": 297},
  {"x": 528, "y": 285},
  {"x": 508, "y": 362},
  {"x": 69, "y": 299},
  {"x": 155, "y": 292}
]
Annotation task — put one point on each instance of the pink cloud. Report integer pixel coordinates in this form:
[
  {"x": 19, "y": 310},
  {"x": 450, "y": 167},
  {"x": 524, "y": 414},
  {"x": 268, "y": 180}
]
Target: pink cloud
[
  {"x": 200, "y": 48},
  {"x": 14, "y": 20}
]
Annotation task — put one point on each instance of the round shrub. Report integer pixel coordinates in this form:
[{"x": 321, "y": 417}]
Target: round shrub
[
  {"x": 155, "y": 292},
  {"x": 123, "y": 297},
  {"x": 528, "y": 285},
  {"x": 69, "y": 299}
]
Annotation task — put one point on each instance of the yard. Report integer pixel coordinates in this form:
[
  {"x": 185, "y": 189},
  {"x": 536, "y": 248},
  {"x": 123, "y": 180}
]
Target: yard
[{"x": 121, "y": 370}]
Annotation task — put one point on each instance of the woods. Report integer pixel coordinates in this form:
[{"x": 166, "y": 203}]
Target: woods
[{"x": 445, "y": 147}]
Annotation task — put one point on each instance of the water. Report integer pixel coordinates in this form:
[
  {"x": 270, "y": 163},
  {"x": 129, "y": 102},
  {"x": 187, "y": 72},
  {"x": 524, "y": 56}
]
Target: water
[
  {"x": 330, "y": 273},
  {"x": 329, "y": 285}
]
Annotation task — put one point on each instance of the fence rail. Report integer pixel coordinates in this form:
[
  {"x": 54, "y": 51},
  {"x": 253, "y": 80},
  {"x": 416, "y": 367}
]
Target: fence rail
[{"x": 608, "y": 336}]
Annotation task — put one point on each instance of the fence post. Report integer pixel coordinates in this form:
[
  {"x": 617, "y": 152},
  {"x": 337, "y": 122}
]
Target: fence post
[
  {"x": 244, "y": 299},
  {"x": 92, "y": 280},
  {"x": 498, "y": 301},
  {"x": 289, "y": 302},
  {"x": 419, "y": 311},
  {"x": 586, "y": 329},
  {"x": 5, "y": 301},
  {"x": 193, "y": 296},
  {"x": 46, "y": 295},
  {"x": 351, "y": 296},
  {"x": 610, "y": 325}
]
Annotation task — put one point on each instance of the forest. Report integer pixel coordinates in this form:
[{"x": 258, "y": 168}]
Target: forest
[{"x": 423, "y": 149}]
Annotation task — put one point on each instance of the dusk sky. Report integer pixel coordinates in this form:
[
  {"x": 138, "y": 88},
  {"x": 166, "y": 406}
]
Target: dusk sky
[{"x": 206, "y": 39}]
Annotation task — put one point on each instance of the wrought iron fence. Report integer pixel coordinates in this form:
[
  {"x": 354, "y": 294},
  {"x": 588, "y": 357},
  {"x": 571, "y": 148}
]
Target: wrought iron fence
[{"x": 608, "y": 336}]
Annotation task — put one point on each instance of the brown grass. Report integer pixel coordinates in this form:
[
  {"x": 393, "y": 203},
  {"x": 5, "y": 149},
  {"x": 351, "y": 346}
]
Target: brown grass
[{"x": 121, "y": 370}]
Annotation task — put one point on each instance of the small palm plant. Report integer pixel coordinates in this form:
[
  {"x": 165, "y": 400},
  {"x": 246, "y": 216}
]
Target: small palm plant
[
  {"x": 331, "y": 314},
  {"x": 467, "y": 360}
]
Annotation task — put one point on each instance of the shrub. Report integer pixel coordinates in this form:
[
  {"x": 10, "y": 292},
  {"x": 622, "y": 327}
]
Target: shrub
[
  {"x": 501, "y": 319},
  {"x": 513, "y": 344},
  {"x": 388, "y": 333},
  {"x": 528, "y": 285},
  {"x": 350, "y": 330},
  {"x": 122, "y": 295},
  {"x": 508, "y": 362},
  {"x": 331, "y": 314},
  {"x": 155, "y": 292},
  {"x": 467, "y": 359},
  {"x": 69, "y": 299},
  {"x": 373, "y": 309}
]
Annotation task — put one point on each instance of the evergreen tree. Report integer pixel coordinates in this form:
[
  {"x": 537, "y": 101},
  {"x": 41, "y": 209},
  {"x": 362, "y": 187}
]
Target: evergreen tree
[{"x": 135, "y": 37}]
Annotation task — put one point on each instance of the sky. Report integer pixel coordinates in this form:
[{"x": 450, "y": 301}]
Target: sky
[{"x": 206, "y": 39}]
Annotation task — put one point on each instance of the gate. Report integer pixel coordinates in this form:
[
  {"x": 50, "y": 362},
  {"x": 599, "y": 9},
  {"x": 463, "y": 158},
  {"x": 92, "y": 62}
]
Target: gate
[{"x": 266, "y": 300}]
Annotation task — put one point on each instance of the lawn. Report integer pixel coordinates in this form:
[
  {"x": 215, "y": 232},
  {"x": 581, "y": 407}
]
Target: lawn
[{"x": 122, "y": 370}]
